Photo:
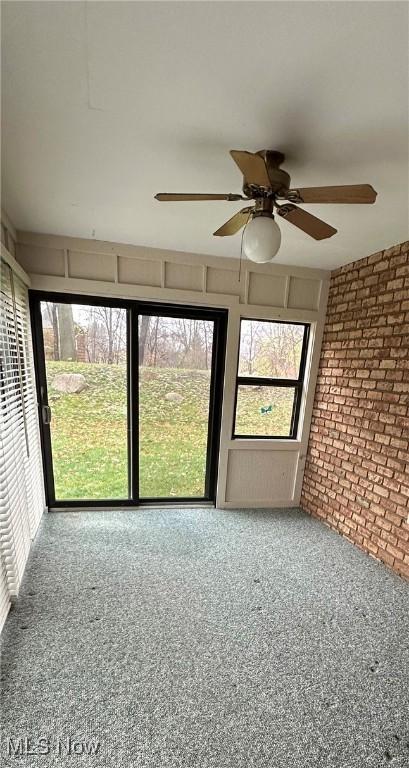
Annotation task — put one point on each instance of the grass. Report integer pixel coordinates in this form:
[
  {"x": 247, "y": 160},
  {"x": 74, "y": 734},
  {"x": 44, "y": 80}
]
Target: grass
[
  {"x": 173, "y": 435},
  {"x": 89, "y": 433},
  {"x": 89, "y": 430},
  {"x": 264, "y": 411}
]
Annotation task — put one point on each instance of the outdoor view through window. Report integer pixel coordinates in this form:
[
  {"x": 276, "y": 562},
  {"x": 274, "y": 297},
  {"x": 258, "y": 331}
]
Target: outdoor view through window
[
  {"x": 85, "y": 350},
  {"x": 175, "y": 362},
  {"x": 85, "y": 353},
  {"x": 269, "y": 378}
]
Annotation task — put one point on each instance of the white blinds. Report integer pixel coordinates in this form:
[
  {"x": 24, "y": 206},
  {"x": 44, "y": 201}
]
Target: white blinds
[
  {"x": 4, "y": 596},
  {"x": 21, "y": 484}
]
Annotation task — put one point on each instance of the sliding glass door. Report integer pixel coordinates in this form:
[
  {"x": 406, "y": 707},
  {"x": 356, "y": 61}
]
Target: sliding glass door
[
  {"x": 85, "y": 363},
  {"x": 129, "y": 399},
  {"x": 175, "y": 367}
]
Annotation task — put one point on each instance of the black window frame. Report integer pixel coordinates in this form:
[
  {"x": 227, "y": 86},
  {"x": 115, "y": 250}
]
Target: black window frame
[
  {"x": 134, "y": 308},
  {"x": 267, "y": 381}
]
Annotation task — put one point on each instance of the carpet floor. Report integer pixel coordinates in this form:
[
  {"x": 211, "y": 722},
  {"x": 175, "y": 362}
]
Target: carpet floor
[{"x": 204, "y": 638}]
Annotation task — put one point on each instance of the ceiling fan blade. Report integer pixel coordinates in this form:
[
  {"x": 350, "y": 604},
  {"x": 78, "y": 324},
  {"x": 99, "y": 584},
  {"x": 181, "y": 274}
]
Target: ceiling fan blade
[
  {"x": 350, "y": 193},
  {"x": 171, "y": 197},
  {"x": 309, "y": 224},
  {"x": 236, "y": 222},
  {"x": 252, "y": 166}
]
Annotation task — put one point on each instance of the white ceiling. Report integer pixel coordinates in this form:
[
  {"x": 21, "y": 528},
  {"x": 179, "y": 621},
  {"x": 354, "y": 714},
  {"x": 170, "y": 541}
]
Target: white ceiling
[{"x": 107, "y": 103}]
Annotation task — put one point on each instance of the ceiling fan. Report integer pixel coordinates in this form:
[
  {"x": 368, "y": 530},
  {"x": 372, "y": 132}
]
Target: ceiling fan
[{"x": 266, "y": 183}]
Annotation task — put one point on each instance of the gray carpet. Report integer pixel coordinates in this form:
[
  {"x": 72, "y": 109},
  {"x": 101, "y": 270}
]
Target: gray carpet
[{"x": 206, "y": 639}]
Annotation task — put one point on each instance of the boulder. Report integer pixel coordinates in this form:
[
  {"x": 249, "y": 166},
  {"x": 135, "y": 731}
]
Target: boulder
[
  {"x": 174, "y": 397},
  {"x": 69, "y": 383}
]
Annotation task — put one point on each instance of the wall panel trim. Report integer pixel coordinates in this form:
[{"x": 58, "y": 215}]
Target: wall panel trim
[{"x": 287, "y": 293}]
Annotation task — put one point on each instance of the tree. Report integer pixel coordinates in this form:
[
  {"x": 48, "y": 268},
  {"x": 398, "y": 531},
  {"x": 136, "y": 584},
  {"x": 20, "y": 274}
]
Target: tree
[
  {"x": 106, "y": 325},
  {"x": 143, "y": 335},
  {"x": 51, "y": 308},
  {"x": 249, "y": 343},
  {"x": 66, "y": 335}
]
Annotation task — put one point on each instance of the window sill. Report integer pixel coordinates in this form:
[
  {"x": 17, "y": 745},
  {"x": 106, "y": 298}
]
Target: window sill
[{"x": 265, "y": 443}]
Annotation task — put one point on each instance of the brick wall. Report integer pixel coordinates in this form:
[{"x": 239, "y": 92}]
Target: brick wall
[{"x": 357, "y": 468}]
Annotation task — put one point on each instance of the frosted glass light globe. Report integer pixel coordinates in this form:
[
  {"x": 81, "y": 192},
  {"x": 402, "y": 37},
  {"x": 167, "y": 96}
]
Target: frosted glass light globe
[{"x": 261, "y": 239}]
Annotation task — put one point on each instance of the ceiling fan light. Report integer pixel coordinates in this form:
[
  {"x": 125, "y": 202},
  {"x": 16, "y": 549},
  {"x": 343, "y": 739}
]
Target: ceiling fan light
[{"x": 261, "y": 239}]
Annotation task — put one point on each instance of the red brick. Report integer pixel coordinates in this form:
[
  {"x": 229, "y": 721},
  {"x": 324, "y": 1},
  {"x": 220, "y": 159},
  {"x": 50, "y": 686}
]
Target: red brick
[
  {"x": 357, "y": 469},
  {"x": 402, "y": 568}
]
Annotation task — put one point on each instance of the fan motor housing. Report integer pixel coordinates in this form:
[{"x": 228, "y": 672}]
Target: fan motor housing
[{"x": 279, "y": 180}]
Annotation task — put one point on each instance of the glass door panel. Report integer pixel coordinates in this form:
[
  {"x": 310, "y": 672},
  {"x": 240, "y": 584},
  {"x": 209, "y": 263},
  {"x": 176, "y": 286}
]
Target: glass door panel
[
  {"x": 175, "y": 375},
  {"x": 130, "y": 397},
  {"x": 85, "y": 351}
]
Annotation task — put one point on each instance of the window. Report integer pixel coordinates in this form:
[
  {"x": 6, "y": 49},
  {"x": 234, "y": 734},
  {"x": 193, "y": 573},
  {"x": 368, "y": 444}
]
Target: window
[{"x": 270, "y": 379}]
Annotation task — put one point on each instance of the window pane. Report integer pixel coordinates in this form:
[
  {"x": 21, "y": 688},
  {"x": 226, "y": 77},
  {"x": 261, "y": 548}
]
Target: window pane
[
  {"x": 264, "y": 411},
  {"x": 270, "y": 349},
  {"x": 85, "y": 353},
  {"x": 175, "y": 362}
]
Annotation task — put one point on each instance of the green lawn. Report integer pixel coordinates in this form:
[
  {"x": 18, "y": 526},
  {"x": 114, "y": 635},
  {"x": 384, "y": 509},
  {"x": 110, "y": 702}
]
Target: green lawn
[
  {"x": 173, "y": 435},
  {"x": 264, "y": 411},
  {"x": 89, "y": 430},
  {"x": 89, "y": 433}
]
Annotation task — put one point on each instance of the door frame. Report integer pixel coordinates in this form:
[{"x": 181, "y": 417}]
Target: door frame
[{"x": 133, "y": 308}]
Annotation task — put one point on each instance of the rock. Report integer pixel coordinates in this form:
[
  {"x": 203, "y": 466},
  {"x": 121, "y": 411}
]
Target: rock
[
  {"x": 69, "y": 383},
  {"x": 174, "y": 397}
]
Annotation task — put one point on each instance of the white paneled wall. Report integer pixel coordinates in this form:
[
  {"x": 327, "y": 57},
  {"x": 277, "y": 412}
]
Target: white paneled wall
[
  {"x": 258, "y": 472},
  {"x": 254, "y": 475}
]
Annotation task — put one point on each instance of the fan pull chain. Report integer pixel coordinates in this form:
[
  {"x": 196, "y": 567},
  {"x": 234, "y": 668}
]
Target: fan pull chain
[{"x": 241, "y": 248}]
